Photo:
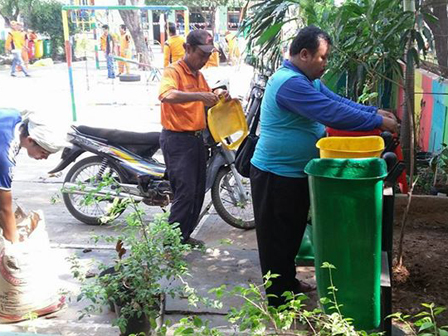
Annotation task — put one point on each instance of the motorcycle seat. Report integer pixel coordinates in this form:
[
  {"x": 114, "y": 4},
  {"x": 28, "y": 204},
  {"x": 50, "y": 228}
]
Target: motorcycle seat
[{"x": 120, "y": 137}]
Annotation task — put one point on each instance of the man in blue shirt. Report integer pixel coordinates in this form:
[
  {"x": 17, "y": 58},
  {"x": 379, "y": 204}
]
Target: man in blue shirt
[
  {"x": 16, "y": 133},
  {"x": 295, "y": 108}
]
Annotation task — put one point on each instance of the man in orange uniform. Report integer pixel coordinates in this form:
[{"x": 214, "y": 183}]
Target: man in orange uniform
[
  {"x": 234, "y": 51},
  {"x": 213, "y": 61},
  {"x": 184, "y": 93},
  {"x": 15, "y": 42},
  {"x": 26, "y": 59},
  {"x": 125, "y": 50},
  {"x": 31, "y": 37},
  {"x": 173, "y": 50}
]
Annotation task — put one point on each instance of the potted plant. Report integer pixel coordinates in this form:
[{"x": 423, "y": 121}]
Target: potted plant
[{"x": 149, "y": 254}]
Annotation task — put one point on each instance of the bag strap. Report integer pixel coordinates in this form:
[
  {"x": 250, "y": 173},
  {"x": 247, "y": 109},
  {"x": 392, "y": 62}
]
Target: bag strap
[{"x": 253, "y": 128}]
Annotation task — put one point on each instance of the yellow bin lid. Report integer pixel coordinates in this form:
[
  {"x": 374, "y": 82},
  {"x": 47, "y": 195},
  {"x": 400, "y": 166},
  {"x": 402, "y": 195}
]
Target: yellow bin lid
[
  {"x": 227, "y": 123},
  {"x": 351, "y": 147}
]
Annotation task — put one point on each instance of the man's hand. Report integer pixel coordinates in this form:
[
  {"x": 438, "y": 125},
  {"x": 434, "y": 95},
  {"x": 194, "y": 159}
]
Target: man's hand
[
  {"x": 390, "y": 125},
  {"x": 387, "y": 114},
  {"x": 223, "y": 93},
  {"x": 209, "y": 99}
]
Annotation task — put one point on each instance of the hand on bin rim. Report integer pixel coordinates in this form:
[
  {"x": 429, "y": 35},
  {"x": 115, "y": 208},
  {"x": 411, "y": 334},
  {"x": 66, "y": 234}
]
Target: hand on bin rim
[
  {"x": 389, "y": 124},
  {"x": 387, "y": 114}
]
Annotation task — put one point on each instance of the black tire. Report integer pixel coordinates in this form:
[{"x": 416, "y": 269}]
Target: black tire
[
  {"x": 238, "y": 216},
  {"x": 130, "y": 78},
  {"x": 71, "y": 200}
]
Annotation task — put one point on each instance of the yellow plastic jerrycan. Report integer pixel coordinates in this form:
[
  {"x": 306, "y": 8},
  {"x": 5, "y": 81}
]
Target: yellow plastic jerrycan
[
  {"x": 227, "y": 123},
  {"x": 38, "y": 49},
  {"x": 351, "y": 147}
]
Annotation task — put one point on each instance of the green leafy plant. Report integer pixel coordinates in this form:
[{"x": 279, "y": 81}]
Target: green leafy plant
[
  {"x": 433, "y": 178},
  {"x": 255, "y": 317},
  {"x": 439, "y": 165},
  {"x": 147, "y": 254},
  {"x": 369, "y": 39},
  {"x": 423, "y": 323},
  {"x": 31, "y": 317},
  {"x": 367, "y": 97},
  {"x": 45, "y": 18}
]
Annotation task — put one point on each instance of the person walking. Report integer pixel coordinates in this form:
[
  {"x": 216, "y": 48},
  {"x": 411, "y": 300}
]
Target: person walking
[{"x": 15, "y": 43}]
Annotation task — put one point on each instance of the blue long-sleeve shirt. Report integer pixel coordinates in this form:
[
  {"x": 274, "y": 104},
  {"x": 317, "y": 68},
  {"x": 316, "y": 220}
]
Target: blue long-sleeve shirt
[
  {"x": 10, "y": 121},
  {"x": 293, "y": 112}
]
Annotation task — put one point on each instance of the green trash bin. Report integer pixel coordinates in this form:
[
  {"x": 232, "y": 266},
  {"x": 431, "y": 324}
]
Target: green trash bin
[
  {"x": 346, "y": 207},
  {"x": 306, "y": 251},
  {"x": 47, "y": 48}
]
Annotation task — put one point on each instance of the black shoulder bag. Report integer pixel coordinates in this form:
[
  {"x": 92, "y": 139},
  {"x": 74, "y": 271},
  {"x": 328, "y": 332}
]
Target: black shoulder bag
[{"x": 246, "y": 150}]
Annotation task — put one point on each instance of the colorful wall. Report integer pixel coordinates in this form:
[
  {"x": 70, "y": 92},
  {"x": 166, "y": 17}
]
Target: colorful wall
[{"x": 431, "y": 110}]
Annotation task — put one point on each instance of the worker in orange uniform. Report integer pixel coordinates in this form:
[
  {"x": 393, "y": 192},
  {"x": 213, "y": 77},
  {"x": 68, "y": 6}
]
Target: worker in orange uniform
[
  {"x": 125, "y": 50},
  {"x": 213, "y": 61},
  {"x": 15, "y": 43},
  {"x": 173, "y": 50},
  {"x": 31, "y": 36},
  {"x": 234, "y": 50},
  {"x": 184, "y": 93},
  {"x": 26, "y": 59}
]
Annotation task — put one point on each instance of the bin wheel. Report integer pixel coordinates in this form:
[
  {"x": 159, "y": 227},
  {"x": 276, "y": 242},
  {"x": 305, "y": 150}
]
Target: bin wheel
[{"x": 129, "y": 78}]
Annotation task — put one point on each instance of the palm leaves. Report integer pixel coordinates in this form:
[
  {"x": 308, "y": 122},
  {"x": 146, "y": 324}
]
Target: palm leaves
[
  {"x": 369, "y": 37},
  {"x": 265, "y": 27}
]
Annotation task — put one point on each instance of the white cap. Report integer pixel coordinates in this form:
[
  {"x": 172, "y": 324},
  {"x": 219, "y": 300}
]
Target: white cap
[{"x": 41, "y": 133}]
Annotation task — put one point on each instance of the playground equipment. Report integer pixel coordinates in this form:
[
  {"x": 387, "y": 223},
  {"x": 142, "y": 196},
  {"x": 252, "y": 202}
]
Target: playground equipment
[
  {"x": 154, "y": 73},
  {"x": 88, "y": 19}
]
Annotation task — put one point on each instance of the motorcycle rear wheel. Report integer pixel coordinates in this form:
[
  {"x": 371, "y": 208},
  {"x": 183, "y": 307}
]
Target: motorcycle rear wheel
[
  {"x": 84, "y": 172},
  {"x": 225, "y": 200}
]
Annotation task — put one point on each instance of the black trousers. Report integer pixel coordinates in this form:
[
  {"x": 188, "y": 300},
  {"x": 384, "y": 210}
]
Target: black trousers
[
  {"x": 281, "y": 207},
  {"x": 185, "y": 160}
]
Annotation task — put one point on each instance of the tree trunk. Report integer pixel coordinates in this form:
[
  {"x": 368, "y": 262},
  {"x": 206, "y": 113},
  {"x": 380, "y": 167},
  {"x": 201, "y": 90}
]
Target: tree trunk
[
  {"x": 212, "y": 20},
  {"x": 407, "y": 122},
  {"x": 439, "y": 30},
  {"x": 13, "y": 17},
  {"x": 131, "y": 19}
]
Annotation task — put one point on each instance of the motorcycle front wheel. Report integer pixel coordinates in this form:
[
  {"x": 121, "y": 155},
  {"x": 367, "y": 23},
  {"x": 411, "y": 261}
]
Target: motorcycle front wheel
[
  {"x": 228, "y": 203},
  {"x": 88, "y": 173}
]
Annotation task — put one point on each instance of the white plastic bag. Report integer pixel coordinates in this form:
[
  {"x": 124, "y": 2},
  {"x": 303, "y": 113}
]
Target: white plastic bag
[{"x": 28, "y": 281}]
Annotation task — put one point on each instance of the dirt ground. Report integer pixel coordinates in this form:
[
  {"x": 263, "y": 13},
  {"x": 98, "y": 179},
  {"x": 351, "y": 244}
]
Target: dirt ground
[{"x": 425, "y": 258}]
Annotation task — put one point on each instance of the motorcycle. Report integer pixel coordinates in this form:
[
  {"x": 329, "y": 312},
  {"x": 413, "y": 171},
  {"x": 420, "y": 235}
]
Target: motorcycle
[{"x": 127, "y": 158}]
